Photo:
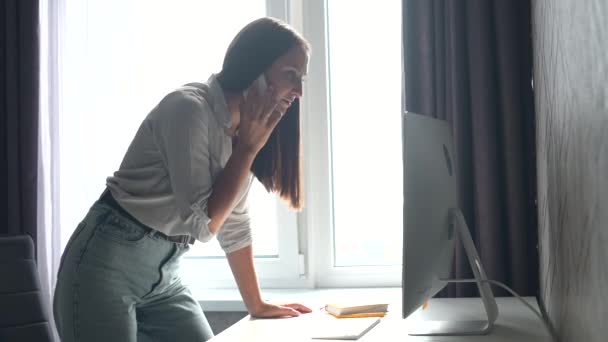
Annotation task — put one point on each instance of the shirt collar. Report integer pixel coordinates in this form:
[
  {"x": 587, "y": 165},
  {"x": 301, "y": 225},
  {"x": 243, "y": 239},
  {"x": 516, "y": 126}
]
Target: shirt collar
[{"x": 220, "y": 107}]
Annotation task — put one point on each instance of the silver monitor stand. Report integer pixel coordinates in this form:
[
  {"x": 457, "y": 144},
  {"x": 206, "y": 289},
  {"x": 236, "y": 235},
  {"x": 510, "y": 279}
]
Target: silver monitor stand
[{"x": 444, "y": 328}]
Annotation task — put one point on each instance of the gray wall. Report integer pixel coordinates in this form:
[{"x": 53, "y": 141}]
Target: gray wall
[{"x": 571, "y": 98}]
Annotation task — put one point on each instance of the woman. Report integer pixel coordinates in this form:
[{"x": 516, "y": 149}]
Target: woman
[{"x": 185, "y": 177}]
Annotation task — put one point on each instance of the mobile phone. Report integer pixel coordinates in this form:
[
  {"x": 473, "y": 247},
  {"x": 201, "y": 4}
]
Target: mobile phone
[{"x": 261, "y": 84}]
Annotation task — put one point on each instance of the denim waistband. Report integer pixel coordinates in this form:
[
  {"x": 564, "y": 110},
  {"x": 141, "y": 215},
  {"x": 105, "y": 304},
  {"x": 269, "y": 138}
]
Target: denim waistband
[{"x": 107, "y": 199}]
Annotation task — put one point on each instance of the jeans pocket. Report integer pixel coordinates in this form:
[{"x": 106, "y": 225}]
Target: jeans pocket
[{"x": 121, "y": 231}]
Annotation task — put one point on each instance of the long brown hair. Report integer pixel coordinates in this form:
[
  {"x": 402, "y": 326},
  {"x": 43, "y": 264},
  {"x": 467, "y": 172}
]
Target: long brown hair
[{"x": 254, "y": 49}]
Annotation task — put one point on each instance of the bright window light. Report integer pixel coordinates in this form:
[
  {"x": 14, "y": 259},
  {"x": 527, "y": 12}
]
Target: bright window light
[
  {"x": 119, "y": 58},
  {"x": 364, "y": 44}
]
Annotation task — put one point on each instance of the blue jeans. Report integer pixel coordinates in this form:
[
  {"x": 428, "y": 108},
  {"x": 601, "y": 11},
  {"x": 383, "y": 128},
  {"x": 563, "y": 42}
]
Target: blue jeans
[{"x": 119, "y": 282}]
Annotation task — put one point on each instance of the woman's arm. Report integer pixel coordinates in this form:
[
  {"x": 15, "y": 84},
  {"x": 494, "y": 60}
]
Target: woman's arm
[
  {"x": 257, "y": 120},
  {"x": 228, "y": 186},
  {"x": 241, "y": 263}
]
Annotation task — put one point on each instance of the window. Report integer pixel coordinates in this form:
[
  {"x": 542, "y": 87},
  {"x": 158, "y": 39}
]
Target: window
[
  {"x": 118, "y": 63},
  {"x": 365, "y": 131},
  {"x": 354, "y": 149},
  {"x": 118, "y": 59}
]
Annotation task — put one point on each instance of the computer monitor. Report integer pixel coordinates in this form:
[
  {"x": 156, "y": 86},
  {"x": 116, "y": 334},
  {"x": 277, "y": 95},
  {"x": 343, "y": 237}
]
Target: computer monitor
[{"x": 431, "y": 221}]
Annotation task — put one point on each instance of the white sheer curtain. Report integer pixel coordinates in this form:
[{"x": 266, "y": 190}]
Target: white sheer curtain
[{"x": 49, "y": 233}]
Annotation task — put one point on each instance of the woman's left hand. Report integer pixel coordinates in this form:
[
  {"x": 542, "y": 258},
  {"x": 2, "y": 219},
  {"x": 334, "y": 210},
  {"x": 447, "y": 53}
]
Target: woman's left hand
[{"x": 267, "y": 310}]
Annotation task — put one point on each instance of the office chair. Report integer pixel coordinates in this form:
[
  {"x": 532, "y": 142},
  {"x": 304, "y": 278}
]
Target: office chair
[{"x": 23, "y": 315}]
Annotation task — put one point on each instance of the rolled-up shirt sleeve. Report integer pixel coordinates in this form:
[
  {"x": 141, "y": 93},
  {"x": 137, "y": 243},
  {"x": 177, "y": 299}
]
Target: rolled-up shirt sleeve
[
  {"x": 181, "y": 132},
  {"x": 236, "y": 231}
]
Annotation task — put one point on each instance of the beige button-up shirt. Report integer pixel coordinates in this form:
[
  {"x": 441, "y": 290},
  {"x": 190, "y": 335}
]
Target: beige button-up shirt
[{"x": 167, "y": 174}]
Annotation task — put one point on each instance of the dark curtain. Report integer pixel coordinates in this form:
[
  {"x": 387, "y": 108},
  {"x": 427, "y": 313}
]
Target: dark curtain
[
  {"x": 469, "y": 62},
  {"x": 19, "y": 69}
]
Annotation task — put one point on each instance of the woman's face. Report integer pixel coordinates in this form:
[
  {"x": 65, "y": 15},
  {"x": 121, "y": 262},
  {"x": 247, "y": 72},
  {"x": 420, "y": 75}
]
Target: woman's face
[{"x": 286, "y": 75}]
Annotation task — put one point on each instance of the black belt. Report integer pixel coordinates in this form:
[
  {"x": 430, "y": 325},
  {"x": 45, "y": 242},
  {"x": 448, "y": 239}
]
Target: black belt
[{"x": 108, "y": 199}]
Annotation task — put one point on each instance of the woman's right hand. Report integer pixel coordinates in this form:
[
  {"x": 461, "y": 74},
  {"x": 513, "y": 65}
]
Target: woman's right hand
[
  {"x": 267, "y": 310},
  {"x": 258, "y": 119}
]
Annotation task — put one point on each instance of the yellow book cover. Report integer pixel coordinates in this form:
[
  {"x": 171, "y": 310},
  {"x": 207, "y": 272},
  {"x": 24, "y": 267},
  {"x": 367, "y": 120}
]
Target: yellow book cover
[
  {"x": 342, "y": 310},
  {"x": 360, "y": 315}
]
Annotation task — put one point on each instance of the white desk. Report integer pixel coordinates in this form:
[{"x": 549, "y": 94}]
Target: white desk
[{"x": 515, "y": 323}]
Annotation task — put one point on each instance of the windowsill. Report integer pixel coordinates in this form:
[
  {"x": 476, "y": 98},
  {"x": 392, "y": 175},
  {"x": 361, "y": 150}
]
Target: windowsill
[{"x": 230, "y": 299}]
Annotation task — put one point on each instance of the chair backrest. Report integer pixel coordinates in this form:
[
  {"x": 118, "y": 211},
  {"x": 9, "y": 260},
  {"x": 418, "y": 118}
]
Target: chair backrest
[{"x": 23, "y": 315}]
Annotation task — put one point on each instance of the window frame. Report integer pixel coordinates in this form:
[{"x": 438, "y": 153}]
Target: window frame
[
  {"x": 317, "y": 220},
  {"x": 306, "y": 239},
  {"x": 287, "y": 269}
]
